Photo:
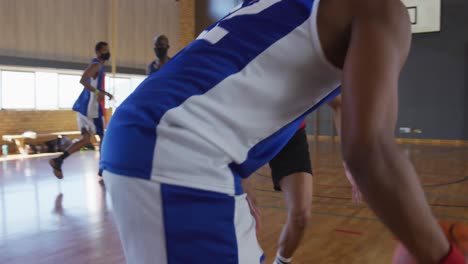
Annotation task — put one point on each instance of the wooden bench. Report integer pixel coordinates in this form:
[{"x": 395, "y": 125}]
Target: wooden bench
[{"x": 19, "y": 140}]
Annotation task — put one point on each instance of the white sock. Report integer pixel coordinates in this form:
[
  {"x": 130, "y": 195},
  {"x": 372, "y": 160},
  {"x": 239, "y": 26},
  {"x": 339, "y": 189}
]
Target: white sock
[{"x": 281, "y": 260}]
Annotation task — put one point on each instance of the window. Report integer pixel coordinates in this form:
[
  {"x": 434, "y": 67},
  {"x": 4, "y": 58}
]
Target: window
[
  {"x": 69, "y": 90},
  {"x": 18, "y": 90},
  {"x": 52, "y": 89},
  {"x": 218, "y": 9},
  {"x": 46, "y": 90},
  {"x": 109, "y": 89},
  {"x": 122, "y": 89},
  {"x": 136, "y": 81}
]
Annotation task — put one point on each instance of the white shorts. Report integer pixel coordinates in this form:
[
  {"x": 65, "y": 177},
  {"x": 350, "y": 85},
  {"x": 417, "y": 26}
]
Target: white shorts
[
  {"x": 93, "y": 126},
  {"x": 160, "y": 223}
]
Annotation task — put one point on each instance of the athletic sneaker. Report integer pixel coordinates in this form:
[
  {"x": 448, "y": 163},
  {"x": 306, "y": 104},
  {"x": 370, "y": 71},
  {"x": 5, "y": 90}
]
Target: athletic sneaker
[{"x": 56, "y": 164}]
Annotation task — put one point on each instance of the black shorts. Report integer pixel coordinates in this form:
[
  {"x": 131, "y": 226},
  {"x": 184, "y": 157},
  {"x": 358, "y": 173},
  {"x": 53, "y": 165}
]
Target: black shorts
[{"x": 293, "y": 158}]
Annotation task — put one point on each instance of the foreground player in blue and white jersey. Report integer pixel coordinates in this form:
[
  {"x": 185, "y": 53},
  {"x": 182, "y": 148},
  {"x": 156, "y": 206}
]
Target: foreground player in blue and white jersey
[{"x": 177, "y": 149}]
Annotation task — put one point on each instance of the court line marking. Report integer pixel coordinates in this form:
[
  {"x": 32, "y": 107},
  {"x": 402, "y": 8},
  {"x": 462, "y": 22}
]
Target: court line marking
[
  {"x": 357, "y": 217},
  {"x": 325, "y": 213},
  {"x": 348, "y": 232},
  {"x": 348, "y": 199},
  {"x": 456, "y": 197},
  {"x": 464, "y": 179}
]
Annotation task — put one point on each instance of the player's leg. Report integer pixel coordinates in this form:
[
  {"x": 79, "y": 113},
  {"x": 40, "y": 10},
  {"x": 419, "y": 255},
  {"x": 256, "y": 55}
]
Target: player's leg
[
  {"x": 137, "y": 210},
  {"x": 83, "y": 142},
  {"x": 56, "y": 163},
  {"x": 160, "y": 223},
  {"x": 292, "y": 172},
  {"x": 297, "y": 190},
  {"x": 87, "y": 128},
  {"x": 99, "y": 124}
]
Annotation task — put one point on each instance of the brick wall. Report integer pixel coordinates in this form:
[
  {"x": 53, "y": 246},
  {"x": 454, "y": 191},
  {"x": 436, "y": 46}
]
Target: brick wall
[
  {"x": 187, "y": 22},
  {"x": 42, "y": 122}
]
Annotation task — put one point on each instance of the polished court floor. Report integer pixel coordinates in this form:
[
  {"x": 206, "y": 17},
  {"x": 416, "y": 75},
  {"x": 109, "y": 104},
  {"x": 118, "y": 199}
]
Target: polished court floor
[{"x": 43, "y": 220}]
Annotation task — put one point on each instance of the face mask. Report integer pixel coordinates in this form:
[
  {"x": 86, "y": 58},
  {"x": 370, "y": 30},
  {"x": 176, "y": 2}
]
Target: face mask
[
  {"x": 105, "y": 56},
  {"x": 160, "y": 52}
]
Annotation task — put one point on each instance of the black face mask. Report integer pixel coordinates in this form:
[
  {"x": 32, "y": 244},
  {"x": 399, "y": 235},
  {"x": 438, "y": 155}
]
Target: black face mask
[
  {"x": 160, "y": 52},
  {"x": 105, "y": 56}
]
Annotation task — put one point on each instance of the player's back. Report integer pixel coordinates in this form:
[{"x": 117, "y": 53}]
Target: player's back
[{"x": 224, "y": 105}]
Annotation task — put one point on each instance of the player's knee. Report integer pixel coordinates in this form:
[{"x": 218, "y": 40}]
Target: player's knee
[
  {"x": 86, "y": 139},
  {"x": 299, "y": 218}
]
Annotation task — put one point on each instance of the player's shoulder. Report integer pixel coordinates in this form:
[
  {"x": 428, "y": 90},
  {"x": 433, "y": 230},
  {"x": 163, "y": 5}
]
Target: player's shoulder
[
  {"x": 95, "y": 60},
  {"x": 389, "y": 16},
  {"x": 95, "y": 63}
]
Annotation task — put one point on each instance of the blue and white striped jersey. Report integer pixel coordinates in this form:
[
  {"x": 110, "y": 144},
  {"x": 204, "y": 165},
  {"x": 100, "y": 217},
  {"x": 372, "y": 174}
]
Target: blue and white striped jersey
[
  {"x": 227, "y": 103},
  {"x": 87, "y": 103}
]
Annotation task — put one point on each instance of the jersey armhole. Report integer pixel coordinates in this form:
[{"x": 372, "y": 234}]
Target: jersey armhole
[{"x": 316, "y": 44}]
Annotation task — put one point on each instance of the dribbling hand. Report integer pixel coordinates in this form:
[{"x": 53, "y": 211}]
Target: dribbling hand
[
  {"x": 254, "y": 211},
  {"x": 356, "y": 193}
]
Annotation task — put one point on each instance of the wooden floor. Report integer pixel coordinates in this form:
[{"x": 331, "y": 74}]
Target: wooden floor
[{"x": 43, "y": 220}]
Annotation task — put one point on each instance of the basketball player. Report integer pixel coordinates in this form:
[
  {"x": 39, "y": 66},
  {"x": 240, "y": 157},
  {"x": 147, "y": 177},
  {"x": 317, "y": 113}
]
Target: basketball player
[
  {"x": 161, "y": 47},
  {"x": 177, "y": 148},
  {"x": 89, "y": 106},
  {"x": 291, "y": 173}
]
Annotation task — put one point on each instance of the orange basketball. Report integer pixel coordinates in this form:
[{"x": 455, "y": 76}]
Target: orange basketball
[{"x": 455, "y": 232}]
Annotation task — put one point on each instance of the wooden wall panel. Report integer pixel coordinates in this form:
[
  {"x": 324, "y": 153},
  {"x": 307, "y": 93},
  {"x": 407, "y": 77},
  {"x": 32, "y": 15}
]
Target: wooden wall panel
[
  {"x": 139, "y": 23},
  {"x": 45, "y": 48},
  {"x": 63, "y": 30},
  {"x": 8, "y": 32},
  {"x": 25, "y": 20},
  {"x": 66, "y": 30},
  {"x": 187, "y": 22},
  {"x": 125, "y": 34}
]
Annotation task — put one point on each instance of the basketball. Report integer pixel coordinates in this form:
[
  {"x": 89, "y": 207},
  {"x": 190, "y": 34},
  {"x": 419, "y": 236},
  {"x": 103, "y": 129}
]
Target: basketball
[{"x": 457, "y": 234}]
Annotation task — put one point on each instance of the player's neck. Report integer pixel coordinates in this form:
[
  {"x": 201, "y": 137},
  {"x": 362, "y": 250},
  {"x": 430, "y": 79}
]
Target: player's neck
[{"x": 162, "y": 60}]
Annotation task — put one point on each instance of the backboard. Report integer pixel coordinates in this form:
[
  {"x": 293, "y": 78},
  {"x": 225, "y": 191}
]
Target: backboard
[{"x": 425, "y": 15}]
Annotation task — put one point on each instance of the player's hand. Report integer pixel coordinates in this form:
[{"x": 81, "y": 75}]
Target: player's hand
[
  {"x": 252, "y": 201},
  {"x": 110, "y": 96},
  {"x": 356, "y": 193}
]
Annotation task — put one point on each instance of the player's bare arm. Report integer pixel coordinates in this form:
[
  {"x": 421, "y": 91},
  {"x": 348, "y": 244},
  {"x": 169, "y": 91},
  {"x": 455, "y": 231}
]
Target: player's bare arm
[
  {"x": 91, "y": 72},
  {"x": 379, "y": 45}
]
